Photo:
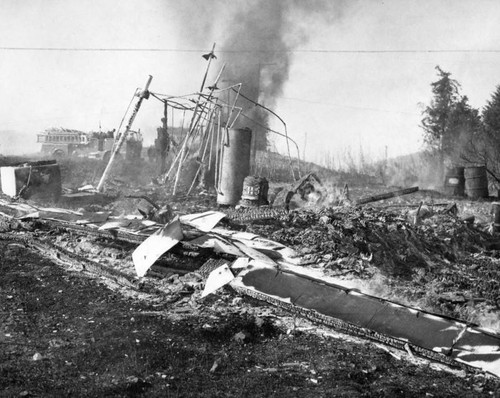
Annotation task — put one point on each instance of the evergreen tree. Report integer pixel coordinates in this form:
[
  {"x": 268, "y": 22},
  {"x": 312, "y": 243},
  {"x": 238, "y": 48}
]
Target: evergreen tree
[
  {"x": 491, "y": 133},
  {"x": 437, "y": 121},
  {"x": 491, "y": 116},
  {"x": 453, "y": 130},
  {"x": 465, "y": 139}
]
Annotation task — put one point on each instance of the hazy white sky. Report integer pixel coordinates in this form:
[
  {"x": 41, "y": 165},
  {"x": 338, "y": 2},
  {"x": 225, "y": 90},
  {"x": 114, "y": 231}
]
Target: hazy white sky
[{"x": 342, "y": 91}]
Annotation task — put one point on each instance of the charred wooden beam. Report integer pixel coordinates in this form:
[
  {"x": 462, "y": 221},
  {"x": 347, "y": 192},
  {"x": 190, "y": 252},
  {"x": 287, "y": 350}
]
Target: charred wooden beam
[{"x": 386, "y": 195}]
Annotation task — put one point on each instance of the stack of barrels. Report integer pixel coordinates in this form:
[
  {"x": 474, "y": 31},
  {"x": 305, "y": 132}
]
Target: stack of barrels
[{"x": 469, "y": 181}]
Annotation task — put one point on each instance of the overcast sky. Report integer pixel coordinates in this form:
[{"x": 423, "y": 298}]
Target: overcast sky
[{"x": 358, "y": 69}]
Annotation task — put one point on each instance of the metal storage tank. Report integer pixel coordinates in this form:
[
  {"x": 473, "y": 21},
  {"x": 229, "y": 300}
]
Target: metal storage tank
[
  {"x": 235, "y": 165},
  {"x": 454, "y": 183},
  {"x": 495, "y": 209},
  {"x": 255, "y": 190},
  {"x": 476, "y": 182}
]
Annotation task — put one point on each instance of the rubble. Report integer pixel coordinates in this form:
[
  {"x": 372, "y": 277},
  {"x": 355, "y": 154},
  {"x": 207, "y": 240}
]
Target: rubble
[
  {"x": 36, "y": 180},
  {"x": 308, "y": 188},
  {"x": 360, "y": 241},
  {"x": 415, "y": 275},
  {"x": 396, "y": 270}
]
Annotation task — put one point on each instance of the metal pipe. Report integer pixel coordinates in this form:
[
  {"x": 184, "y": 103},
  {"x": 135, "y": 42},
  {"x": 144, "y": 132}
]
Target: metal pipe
[
  {"x": 194, "y": 123},
  {"x": 144, "y": 94}
]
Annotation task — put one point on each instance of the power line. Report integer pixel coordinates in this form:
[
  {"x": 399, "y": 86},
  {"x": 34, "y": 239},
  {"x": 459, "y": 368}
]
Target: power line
[
  {"x": 329, "y": 104},
  {"x": 88, "y": 49},
  {"x": 319, "y": 51}
]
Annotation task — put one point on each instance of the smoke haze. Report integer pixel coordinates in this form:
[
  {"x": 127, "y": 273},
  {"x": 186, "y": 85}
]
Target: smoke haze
[
  {"x": 320, "y": 65},
  {"x": 257, "y": 50}
]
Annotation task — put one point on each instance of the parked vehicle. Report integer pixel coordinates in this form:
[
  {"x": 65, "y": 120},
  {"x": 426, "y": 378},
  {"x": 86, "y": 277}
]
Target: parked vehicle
[{"x": 61, "y": 142}]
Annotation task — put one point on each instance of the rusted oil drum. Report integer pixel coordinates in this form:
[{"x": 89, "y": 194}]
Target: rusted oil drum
[
  {"x": 235, "y": 165},
  {"x": 454, "y": 182},
  {"x": 255, "y": 190},
  {"x": 495, "y": 209},
  {"x": 476, "y": 182}
]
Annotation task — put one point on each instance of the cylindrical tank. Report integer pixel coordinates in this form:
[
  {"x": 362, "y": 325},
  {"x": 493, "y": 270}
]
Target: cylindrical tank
[
  {"x": 476, "y": 182},
  {"x": 235, "y": 165},
  {"x": 255, "y": 191},
  {"x": 454, "y": 182},
  {"x": 495, "y": 209}
]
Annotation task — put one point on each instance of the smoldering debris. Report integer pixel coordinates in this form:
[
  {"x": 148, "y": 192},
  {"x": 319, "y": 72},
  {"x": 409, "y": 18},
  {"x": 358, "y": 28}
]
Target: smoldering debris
[
  {"x": 210, "y": 224},
  {"x": 359, "y": 240}
]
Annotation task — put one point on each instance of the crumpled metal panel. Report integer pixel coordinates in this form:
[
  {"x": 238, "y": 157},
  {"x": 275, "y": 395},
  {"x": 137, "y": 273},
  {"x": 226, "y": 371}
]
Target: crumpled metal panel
[
  {"x": 448, "y": 336},
  {"x": 478, "y": 348}
]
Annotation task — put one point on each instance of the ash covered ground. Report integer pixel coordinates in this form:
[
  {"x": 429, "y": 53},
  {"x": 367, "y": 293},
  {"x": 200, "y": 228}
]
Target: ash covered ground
[{"x": 69, "y": 330}]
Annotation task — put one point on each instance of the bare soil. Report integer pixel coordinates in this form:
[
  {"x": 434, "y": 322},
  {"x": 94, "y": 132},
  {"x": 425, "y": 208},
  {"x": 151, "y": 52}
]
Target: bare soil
[
  {"x": 65, "y": 334},
  {"x": 73, "y": 333}
]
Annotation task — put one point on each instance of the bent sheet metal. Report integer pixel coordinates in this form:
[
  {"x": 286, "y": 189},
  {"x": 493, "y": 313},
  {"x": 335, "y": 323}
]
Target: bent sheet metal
[
  {"x": 154, "y": 246},
  {"x": 438, "y": 337}
]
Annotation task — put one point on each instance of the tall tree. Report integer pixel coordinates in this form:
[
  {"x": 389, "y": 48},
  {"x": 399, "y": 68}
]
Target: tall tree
[
  {"x": 465, "y": 139},
  {"x": 491, "y": 113},
  {"x": 491, "y": 122},
  {"x": 438, "y": 134}
]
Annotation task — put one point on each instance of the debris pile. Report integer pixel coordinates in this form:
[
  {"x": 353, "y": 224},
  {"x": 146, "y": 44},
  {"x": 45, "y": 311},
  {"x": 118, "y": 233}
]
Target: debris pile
[
  {"x": 430, "y": 257},
  {"x": 354, "y": 242},
  {"x": 442, "y": 263},
  {"x": 178, "y": 250}
]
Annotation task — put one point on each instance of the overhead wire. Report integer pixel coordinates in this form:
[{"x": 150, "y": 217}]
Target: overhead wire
[
  {"x": 327, "y": 104},
  {"x": 290, "y": 51}
]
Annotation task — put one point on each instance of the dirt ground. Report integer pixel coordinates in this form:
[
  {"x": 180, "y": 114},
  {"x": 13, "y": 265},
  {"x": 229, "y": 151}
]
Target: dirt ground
[{"x": 66, "y": 332}]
